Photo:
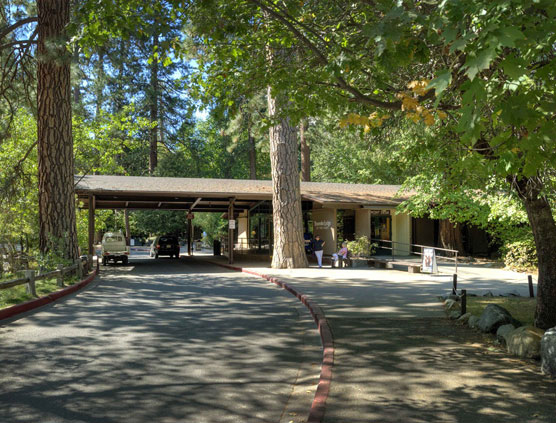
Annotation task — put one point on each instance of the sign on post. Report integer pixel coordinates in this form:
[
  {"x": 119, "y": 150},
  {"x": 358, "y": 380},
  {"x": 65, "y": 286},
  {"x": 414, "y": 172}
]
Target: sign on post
[
  {"x": 190, "y": 216},
  {"x": 429, "y": 261},
  {"x": 231, "y": 224}
]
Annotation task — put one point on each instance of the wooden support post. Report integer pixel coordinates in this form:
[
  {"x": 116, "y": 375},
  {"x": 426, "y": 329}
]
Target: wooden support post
[
  {"x": 463, "y": 301},
  {"x": 189, "y": 237},
  {"x": 531, "y": 290},
  {"x": 79, "y": 269},
  {"x": 455, "y": 284},
  {"x": 91, "y": 225},
  {"x": 31, "y": 289},
  {"x": 231, "y": 232},
  {"x": 60, "y": 276}
]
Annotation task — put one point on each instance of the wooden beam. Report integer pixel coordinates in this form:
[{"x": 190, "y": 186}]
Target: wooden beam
[
  {"x": 91, "y": 199},
  {"x": 231, "y": 231}
]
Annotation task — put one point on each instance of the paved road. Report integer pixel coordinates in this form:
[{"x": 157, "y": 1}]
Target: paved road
[
  {"x": 162, "y": 341},
  {"x": 399, "y": 360}
]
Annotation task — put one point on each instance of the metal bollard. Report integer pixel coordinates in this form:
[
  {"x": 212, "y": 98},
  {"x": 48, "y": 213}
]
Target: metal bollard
[
  {"x": 463, "y": 301},
  {"x": 31, "y": 289},
  {"x": 60, "y": 276},
  {"x": 455, "y": 284},
  {"x": 531, "y": 290}
]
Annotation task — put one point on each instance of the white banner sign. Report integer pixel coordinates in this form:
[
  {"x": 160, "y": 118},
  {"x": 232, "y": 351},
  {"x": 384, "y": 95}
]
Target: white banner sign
[{"x": 232, "y": 224}]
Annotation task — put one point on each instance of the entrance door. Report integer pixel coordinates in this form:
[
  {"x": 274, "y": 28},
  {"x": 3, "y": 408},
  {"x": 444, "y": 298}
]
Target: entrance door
[{"x": 381, "y": 229}]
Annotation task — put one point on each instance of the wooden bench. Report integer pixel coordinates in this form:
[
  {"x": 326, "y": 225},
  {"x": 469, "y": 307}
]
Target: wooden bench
[{"x": 411, "y": 267}]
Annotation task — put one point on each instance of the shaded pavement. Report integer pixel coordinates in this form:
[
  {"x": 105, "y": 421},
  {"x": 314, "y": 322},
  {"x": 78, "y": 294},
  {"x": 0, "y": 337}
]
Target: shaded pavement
[
  {"x": 398, "y": 359},
  {"x": 161, "y": 341}
]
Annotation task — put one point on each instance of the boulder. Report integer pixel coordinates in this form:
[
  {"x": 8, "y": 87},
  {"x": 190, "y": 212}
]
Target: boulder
[
  {"x": 493, "y": 317},
  {"x": 548, "y": 352},
  {"x": 454, "y": 297},
  {"x": 473, "y": 322},
  {"x": 488, "y": 294},
  {"x": 454, "y": 314},
  {"x": 503, "y": 331},
  {"x": 464, "y": 318},
  {"x": 525, "y": 342}
]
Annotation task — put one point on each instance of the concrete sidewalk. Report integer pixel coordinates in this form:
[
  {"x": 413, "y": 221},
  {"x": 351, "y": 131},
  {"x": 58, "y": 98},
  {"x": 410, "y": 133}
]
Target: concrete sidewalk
[{"x": 398, "y": 359}]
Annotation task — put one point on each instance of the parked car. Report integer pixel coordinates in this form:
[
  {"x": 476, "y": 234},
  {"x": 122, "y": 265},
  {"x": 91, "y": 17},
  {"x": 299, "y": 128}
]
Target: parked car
[
  {"x": 166, "y": 245},
  {"x": 114, "y": 248}
]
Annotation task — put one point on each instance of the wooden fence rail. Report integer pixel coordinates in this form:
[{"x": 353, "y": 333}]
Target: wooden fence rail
[{"x": 80, "y": 268}]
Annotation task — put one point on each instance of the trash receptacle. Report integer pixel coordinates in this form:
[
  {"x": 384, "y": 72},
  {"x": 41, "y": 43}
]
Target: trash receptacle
[{"x": 216, "y": 247}]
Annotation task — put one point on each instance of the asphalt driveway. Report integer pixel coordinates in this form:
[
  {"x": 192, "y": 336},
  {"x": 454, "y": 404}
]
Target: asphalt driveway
[{"x": 162, "y": 340}]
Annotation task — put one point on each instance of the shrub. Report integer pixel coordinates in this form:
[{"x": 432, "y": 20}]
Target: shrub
[
  {"x": 361, "y": 247},
  {"x": 520, "y": 255}
]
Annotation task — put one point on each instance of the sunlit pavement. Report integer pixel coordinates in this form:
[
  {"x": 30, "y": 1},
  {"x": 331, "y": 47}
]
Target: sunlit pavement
[
  {"x": 162, "y": 340},
  {"x": 397, "y": 358}
]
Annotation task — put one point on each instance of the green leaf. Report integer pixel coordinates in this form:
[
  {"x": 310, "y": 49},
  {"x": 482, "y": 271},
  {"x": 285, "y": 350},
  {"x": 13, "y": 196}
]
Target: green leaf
[
  {"x": 508, "y": 35},
  {"x": 441, "y": 82},
  {"x": 513, "y": 67},
  {"x": 476, "y": 64}
]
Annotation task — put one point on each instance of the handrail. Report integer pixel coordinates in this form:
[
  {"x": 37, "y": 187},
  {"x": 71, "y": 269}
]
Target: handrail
[{"x": 455, "y": 258}]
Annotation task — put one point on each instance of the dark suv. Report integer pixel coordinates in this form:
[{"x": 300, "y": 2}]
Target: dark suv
[{"x": 166, "y": 245}]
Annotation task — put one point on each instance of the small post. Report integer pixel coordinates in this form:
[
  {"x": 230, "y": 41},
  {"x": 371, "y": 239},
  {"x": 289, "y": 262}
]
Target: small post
[
  {"x": 60, "y": 276},
  {"x": 531, "y": 290},
  {"x": 98, "y": 264},
  {"x": 79, "y": 269},
  {"x": 463, "y": 301},
  {"x": 455, "y": 284},
  {"x": 30, "y": 274}
]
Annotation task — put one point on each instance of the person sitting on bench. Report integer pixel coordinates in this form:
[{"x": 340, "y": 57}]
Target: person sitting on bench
[{"x": 341, "y": 256}]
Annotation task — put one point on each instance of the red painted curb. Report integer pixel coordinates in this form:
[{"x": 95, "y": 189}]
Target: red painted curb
[
  {"x": 318, "y": 407},
  {"x": 47, "y": 299}
]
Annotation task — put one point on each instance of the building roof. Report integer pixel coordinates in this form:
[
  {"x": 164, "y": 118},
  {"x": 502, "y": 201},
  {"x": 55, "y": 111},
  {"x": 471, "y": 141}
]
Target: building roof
[{"x": 141, "y": 192}]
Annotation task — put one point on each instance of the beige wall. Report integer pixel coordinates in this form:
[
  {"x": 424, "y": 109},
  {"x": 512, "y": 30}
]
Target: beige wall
[
  {"x": 401, "y": 232},
  {"x": 243, "y": 232},
  {"x": 324, "y": 224},
  {"x": 362, "y": 223}
]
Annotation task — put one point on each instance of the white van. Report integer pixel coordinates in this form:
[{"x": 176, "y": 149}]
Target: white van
[{"x": 114, "y": 248}]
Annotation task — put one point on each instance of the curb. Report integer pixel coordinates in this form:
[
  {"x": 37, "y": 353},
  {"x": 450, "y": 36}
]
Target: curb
[
  {"x": 47, "y": 299},
  {"x": 318, "y": 407}
]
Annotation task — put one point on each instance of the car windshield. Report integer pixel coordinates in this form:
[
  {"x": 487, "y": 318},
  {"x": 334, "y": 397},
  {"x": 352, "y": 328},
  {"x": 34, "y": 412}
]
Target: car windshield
[
  {"x": 168, "y": 240},
  {"x": 113, "y": 238}
]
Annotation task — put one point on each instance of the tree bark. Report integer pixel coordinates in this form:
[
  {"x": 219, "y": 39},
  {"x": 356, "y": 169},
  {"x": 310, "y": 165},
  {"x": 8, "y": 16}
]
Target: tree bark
[
  {"x": 305, "y": 152},
  {"x": 252, "y": 151},
  {"x": 289, "y": 246},
  {"x": 543, "y": 226},
  {"x": 450, "y": 235},
  {"x": 153, "y": 150},
  {"x": 57, "y": 228}
]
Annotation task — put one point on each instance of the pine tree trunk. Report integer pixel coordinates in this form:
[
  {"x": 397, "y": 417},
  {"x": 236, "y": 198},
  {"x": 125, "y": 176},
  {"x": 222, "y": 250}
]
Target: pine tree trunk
[
  {"x": 543, "y": 226},
  {"x": 153, "y": 149},
  {"x": 450, "y": 236},
  {"x": 252, "y": 151},
  {"x": 305, "y": 152},
  {"x": 289, "y": 246},
  {"x": 57, "y": 228}
]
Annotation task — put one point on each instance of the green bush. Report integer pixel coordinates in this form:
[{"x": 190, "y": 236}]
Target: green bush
[
  {"x": 520, "y": 255},
  {"x": 361, "y": 247}
]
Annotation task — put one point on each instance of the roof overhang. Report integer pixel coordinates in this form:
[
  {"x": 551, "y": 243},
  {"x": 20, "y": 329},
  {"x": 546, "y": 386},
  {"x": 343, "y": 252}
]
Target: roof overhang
[{"x": 213, "y": 195}]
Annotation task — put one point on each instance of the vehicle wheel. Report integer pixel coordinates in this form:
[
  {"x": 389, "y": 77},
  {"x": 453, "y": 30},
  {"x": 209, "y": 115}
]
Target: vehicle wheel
[
  {"x": 155, "y": 255},
  {"x": 104, "y": 262},
  {"x": 124, "y": 260}
]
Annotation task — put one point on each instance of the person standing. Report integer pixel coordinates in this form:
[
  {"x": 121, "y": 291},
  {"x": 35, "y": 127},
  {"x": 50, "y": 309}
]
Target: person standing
[{"x": 317, "y": 249}]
